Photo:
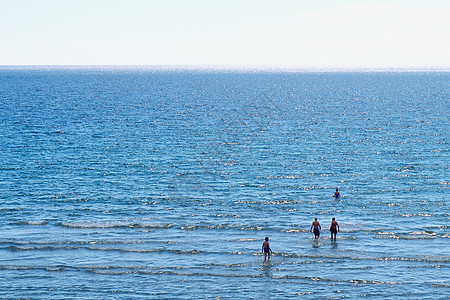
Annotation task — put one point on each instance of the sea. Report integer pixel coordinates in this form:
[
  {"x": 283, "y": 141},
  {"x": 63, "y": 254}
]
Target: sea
[{"x": 163, "y": 182}]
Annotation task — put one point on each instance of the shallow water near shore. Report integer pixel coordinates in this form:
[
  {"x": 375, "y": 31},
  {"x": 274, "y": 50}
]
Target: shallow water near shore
[{"x": 140, "y": 182}]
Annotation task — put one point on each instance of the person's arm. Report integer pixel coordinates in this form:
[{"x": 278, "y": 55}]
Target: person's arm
[
  {"x": 338, "y": 226},
  {"x": 311, "y": 227}
]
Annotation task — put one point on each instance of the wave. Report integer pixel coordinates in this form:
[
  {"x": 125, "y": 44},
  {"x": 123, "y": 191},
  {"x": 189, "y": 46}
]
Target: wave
[
  {"x": 337, "y": 256},
  {"x": 173, "y": 251},
  {"x": 49, "y": 247},
  {"x": 429, "y": 267},
  {"x": 355, "y": 268},
  {"x": 116, "y": 224},
  {"x": 155, "y": 226},
  {"x": 416, "y": 235},
  {"x": 190, "y": 272},
  {"x": 305, "y": 258},
  {"x": 375, "y": 282},
  {"x": 137, "y": 250},
  {"x": 34, "y": 223},
  {"x": 41, "y": 248},
  {"x": 113, "y": 242},
  {"x": 437, "y": 259},
  {"x": 245, "y": 240},
  {"x": 191, "y": 227},
  {"x": 441, "y": 285}
]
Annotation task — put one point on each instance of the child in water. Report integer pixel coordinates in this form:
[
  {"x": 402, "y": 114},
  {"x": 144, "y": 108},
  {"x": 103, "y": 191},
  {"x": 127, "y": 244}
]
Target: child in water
[{"x": 266, "y": 249}]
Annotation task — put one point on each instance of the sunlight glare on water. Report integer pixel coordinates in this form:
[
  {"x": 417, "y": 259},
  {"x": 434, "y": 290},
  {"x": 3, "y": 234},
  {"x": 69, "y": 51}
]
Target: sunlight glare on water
[{"x": 163, "y": 183}]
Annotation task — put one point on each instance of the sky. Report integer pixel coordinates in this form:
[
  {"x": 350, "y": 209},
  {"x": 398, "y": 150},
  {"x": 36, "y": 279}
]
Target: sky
[{"x": 298, "y": 33}]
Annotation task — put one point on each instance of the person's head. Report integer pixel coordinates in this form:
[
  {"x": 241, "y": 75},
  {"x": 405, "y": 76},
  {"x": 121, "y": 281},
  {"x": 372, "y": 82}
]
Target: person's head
[
  {"x": 336, "y": 190},
  {"x": 267, "y": 238},
  {"x": 315, "y": 219},
  {"x": 334, "y": 219}
]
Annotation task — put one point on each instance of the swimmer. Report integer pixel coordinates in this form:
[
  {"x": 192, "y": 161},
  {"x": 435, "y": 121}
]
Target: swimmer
[
  {"x": 266, "y": 249},
  {"x": 336, "y": 194}
]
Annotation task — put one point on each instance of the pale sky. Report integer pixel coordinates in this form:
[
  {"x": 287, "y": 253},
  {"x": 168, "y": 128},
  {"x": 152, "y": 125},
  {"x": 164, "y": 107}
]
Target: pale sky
[{"x": 305, "y": 33}]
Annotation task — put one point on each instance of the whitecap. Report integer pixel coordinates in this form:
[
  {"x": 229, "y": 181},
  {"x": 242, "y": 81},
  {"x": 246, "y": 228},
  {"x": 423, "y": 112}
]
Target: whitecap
[{"x": 37, "y": 223}]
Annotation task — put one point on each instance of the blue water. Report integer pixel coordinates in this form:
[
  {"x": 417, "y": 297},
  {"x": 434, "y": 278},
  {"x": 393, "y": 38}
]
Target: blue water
[{"x": 137, "y": 182}]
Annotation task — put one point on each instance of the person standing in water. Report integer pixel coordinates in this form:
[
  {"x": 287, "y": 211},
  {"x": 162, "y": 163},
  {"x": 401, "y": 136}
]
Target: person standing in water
[
  {"x": 334, "y": 228},
  {"x": 317, "y": 228},
  {"x": 266, "y": 249},
  {"x": 336, "y": 194}
]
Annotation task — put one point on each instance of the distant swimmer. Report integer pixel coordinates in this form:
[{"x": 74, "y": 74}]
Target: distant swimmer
[
  {"x": 336, "y": 194},
  {"x": 317, "y": 228},
  {"x": 334, "y": 228},
  {"x": 266, "y": 249}
]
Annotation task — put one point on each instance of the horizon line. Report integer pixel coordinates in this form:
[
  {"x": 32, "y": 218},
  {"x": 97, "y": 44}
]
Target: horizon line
[{"x": 231, "y": 67}]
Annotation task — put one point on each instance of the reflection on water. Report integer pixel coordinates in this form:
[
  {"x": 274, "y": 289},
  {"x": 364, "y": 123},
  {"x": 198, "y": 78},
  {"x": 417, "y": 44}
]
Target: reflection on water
[
  {"x": 267, "y": 268},
  {"x": 334, "y": 244}
]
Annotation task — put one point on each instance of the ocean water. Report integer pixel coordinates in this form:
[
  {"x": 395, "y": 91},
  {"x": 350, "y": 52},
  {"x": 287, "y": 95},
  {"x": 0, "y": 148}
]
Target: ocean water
[{"x": 131, "y": 183}]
